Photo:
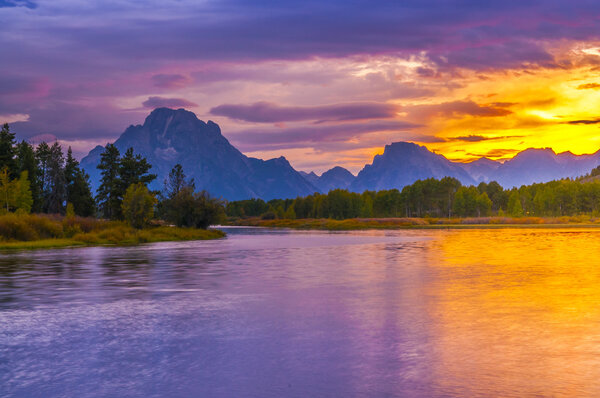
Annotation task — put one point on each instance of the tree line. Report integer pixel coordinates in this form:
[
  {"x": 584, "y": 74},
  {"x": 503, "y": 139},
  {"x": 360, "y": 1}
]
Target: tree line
[
  {"x": 42, "y": 179},
  {"x": 431, "y": 197}
]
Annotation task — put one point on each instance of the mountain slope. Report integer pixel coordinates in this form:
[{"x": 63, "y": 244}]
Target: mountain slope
[
  {"x": 542, "y": 165},
  {"x": 334, "y": 178},
  {"x": 169, "y": 136},
  {"x": 481, "y": 169},
  {"x": 401, "y": 164}
]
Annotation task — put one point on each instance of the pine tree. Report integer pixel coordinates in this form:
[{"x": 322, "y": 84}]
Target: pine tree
[
  {"x": 7, "y": 150},
  {"x": 26, "y": 161},
  {"x": 176, "y": 182},
  {"x": 108, "y": 198},
  {"x": 133, "y": 169},
  {"x": 79, "y": 194},
  {"x": 57, "y": 192},
  {"x": 42, "y": 155}
]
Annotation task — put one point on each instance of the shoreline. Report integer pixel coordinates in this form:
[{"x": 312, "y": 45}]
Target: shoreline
[
  {"x": 131, "y": 238},
  {"x": 418, "y": 223}
]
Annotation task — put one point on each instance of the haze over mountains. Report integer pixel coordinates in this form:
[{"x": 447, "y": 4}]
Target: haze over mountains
[{"x": 169, "y": 136}]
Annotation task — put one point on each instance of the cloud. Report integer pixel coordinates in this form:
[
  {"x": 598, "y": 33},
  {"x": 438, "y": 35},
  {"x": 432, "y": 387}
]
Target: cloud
[
  {"x": 161, "y": 102},
  {"x": 173, "y": 80},
  {"x": 456, "y": 109},
  {"x": 266, "y": 112},
  {"x": 495, "y": 153},
  {"x": 479, "y": 138},
  {"x": 593, "y": 86},
  {"x": 318, "y": 136},
  {"x": 17, "y": 3},
  {"x": 584, "y": 121}
]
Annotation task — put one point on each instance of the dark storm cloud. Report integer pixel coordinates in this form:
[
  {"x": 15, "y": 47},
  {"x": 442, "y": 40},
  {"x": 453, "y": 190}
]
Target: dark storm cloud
[{"x": 266, "y": 112}]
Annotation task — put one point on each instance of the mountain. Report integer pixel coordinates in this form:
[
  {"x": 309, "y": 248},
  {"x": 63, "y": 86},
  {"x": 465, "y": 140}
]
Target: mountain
[
  {"x": 337, "y": 177},
  {"x": 481, "y": 169},
  {"x": 542, "y": 165},
  {"x": 170, "y": 136},
  {"x": 401, "y": 164}
]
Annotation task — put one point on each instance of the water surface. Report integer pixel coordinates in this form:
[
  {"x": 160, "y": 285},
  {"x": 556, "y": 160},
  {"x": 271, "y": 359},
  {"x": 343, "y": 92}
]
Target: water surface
[{"x": 288, "y": 313}]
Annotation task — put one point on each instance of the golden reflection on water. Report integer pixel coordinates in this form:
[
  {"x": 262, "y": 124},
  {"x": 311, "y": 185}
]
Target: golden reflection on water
[{"x": 516, "y": 312}]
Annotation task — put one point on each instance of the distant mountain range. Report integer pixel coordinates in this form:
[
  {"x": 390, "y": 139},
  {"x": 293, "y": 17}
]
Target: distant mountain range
[{"x": 169, "y": 136}]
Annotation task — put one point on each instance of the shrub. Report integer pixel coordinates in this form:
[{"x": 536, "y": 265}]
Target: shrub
[{"x": 138, "y": 205}]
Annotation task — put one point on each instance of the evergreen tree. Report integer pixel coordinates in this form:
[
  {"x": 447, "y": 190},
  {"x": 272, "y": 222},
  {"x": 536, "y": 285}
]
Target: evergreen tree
[
  {"x": 108, "y": 198},
  {"x": 26, "y": 161},
  {"x": 42, "y": 155},
  {"x": 176, "y": 182},
  {"x": 7, "y": 150},
  {"x": 133, "y": 169},
  {"x": 79, "y": 194},
  {"x": 57, "y": 192}
]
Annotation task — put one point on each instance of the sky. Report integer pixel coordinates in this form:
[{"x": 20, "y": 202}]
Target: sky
[{"x": 322, "y": 83}]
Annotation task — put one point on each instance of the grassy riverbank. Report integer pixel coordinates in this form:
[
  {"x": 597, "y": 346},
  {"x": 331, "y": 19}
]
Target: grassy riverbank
[
  {"x": 30, "y": 231},
  {"x": 422, "y": 223}
]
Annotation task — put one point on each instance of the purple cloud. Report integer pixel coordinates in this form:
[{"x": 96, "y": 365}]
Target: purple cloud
[
  {"x": 170, "y": 80},
  {"x": 160, "y": 102},
  {"x": 266, "y": 112},
  {"x": 317, "y": 136}
]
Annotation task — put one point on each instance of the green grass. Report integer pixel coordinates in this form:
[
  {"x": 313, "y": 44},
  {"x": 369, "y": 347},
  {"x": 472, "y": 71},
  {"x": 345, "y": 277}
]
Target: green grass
[
  {"x": 31, "y": 231},
  {"x": 423, "y": 223}
]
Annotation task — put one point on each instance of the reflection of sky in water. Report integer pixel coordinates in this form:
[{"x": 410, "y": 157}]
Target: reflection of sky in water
[{"x": 290, "y": 313}]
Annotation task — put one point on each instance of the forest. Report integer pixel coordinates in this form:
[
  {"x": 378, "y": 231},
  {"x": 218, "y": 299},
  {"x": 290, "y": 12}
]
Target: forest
[{"x": 445, "y": 198}]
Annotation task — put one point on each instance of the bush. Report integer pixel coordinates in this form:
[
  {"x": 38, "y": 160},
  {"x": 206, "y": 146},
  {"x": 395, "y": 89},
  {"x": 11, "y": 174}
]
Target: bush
[
  {"x": 189, "y": 209},
  {"x": 138, "y": 205}
]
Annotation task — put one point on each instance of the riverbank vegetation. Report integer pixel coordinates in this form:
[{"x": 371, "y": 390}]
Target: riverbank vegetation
[
  {"x": 445, "y": 200},
  {"x": 42, "y": 181},
  {"x": 419, "y": 223},
  {"x": 46, "y": 231}
]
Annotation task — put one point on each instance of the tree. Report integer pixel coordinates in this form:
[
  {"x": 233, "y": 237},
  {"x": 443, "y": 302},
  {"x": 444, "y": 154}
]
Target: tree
[
  {"x": 23, "y": 199},
  {"x": 189, "y": 209},
  {"x": 366, "y": 210},
  {"x": 7, "y": 150},
  {"x": 133, "y": 169},
  {"x": 15, "y": 194},
  {"x": 57, "y": 193},
  {"x": 484, "y": 205},
  {"x": 290, "y": 213},
  {"x": 176, "y": 181},
  {"x": 79, "y": 193},
  {"x": 515, "y": 209},
  {"x": 26, "y": 161},
  {"x": 110, "y": 183},
  {"x": 138, "y": 205},
  {"x": 42, "y": 156}
]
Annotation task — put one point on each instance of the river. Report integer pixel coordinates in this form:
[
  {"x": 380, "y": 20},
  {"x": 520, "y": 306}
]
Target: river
[{"x": 265, "y": 313}]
